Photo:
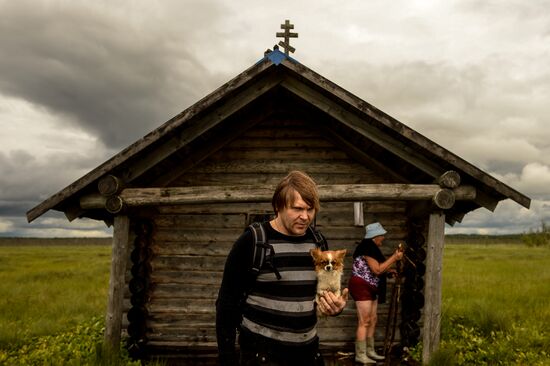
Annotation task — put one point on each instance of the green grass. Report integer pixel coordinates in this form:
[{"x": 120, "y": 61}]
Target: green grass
[
  {"x": 495, "y": 305},
  {"x": 48, "y": 289},
  {"x": 497, "y": 284},
  {"x": 495, "y": 310}
]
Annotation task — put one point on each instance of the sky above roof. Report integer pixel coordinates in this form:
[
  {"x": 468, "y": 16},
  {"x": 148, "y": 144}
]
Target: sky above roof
[{"x": 79, "y": 81}]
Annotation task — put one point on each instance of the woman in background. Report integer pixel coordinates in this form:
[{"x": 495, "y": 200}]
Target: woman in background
[{"x": 367, "y": 286}]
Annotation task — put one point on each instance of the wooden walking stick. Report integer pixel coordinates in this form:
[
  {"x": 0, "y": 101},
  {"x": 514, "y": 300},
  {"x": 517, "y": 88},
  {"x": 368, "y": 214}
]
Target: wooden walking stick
[{"x": 392, "y": 314}]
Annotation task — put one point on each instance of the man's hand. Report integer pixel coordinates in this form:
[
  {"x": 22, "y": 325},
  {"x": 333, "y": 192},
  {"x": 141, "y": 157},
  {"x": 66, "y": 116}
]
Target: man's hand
[{"x": 330, "y": 304}]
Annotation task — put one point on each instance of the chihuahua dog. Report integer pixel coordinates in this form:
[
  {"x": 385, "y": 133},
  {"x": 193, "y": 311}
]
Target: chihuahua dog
[{"x": 329, "y": 266}]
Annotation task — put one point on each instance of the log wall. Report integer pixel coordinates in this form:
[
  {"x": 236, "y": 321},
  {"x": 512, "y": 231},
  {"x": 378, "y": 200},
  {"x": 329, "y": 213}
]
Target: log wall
[{"x": 190, "y": 242}]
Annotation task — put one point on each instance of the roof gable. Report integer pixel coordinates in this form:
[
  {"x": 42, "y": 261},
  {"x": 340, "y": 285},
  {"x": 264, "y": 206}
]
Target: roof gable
[{"x": 276, "y": 82}]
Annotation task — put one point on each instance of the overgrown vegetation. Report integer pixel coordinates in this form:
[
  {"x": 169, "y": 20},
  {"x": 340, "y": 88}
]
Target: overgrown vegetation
[
  {"x": 496, "y": 306},
  {"x": 52, "y": 303},
  {"x": 79, "y": 346},
  {"x": 46, "y": 290},
  {"x": 537, "y": 238}
]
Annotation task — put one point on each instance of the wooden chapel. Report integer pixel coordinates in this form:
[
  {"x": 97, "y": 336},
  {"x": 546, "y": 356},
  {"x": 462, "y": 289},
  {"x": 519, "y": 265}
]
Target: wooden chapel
[{"x": 181, "y": 195}]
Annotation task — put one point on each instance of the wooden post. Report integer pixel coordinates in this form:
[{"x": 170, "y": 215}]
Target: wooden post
[
  {"x": 113, "y": 317},
  {"x": 432, "y": 289}
]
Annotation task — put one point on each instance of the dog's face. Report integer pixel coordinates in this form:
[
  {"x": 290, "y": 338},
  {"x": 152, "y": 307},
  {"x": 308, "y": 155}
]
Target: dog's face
[{"x": 330, "y": 260}]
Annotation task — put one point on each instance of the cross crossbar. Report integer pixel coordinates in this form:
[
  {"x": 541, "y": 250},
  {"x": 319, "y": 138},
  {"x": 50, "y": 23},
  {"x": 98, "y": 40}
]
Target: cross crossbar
[{"x": 287, "y": 34}]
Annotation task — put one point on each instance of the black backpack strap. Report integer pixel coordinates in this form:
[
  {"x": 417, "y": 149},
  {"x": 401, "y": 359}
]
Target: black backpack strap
[
  {"x": 319, "y": 239},
  {"x": 263, "y": 251},
  {"x": 259, "y": 239}
]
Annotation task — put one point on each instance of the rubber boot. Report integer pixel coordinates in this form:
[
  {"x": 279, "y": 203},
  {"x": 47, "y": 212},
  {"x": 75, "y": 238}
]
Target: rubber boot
[
  {"x": 361, "y": 353},
  {"x": 371, "y": 352}
]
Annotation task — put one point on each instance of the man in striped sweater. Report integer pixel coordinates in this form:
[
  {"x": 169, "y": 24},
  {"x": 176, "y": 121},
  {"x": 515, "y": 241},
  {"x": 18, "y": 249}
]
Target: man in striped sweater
[{"x": 274, "y": 310}]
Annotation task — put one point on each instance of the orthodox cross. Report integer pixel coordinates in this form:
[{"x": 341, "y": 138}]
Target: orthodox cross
[{"x": 287, "y": 35}]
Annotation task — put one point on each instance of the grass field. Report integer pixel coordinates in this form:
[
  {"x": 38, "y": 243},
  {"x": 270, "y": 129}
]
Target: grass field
[
  {"x": 507, "y": 281},
  {"x": 496, "y": 305},
  {"x": 47, "y": 289},
  {"x": 496, "y": 299}
]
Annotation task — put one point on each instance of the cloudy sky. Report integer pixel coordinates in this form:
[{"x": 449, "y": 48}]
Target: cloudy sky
[{"x": 81, "y": 80}]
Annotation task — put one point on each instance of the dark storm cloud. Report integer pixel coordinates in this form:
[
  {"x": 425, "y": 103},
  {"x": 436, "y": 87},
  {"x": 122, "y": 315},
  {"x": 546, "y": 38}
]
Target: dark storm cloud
[
  {"x": 14, "y": 208},
  {"x": 116, "y": 76},
  {"x": 52, "y": 224},
  {"x": 470, "y": 75},
  {"x": 26, "y": 180}
]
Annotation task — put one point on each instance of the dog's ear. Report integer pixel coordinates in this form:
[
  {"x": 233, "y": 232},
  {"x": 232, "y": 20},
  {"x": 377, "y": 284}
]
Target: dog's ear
[
  {"x": 341, "y": 253},
  {"x": 314, "y": 252}
]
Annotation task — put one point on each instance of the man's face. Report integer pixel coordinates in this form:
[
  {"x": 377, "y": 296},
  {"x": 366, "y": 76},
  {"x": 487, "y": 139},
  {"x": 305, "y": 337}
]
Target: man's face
[{"x": 296, "y": 217}]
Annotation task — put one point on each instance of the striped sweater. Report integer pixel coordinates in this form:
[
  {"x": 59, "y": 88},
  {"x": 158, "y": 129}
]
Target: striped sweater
[{"x": 282, "y": 310}]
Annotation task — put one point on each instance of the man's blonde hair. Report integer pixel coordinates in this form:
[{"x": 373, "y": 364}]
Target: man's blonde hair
[{"x": 295, "y": 181}]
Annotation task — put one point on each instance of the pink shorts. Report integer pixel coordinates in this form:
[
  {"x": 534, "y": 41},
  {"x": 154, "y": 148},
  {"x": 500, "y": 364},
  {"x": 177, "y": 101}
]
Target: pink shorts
[{"x": 361, "y": 290}]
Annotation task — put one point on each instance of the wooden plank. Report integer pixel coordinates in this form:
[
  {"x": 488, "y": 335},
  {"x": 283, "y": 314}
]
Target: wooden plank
[
  {"x": 284, "y": 143},
  {"x": 167, "y": 248},
  {"x": 208, "y": 179},
  {"x": 286, "y": 120},
  {"x": 278, "y": 166},
  {"x": 193, "y": 248},
  {"x": 432, "y": 290},
  {"x": 238, "y": 221},
  {"x": 369, "y": 207},
  {"x": 227, "y": 208},
  {"x": 201, "y": 221},
  {"x": 134, "y": 197},
  {"x": 113, "y": 316},
  {"x": 210, "y": 277},
  {"x": 182, "y": 319},
  {"x": 326, "y": 207},
  {"x": 346, "y": 218},
  {"x": 183, "y": 291},
  {"x": 357, "y": 233},
  {"x": 198, "y": 235},
  {"x": 185, "y": 264},
  {"x": 228, "y": 235},
  {"x": 197, "y": 306},
  {"x": 264, "y": 153},
  {"x": 298, "y": 131}
]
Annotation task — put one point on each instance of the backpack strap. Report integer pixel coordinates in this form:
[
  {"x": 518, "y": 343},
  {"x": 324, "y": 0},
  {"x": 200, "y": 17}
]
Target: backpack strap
[
  {"x": 263, "y": 251},
  {"x": 319, "y": 239}
]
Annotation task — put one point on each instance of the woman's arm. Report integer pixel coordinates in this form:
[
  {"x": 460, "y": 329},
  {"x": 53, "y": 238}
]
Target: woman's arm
[{"x": 378, "y": 268}]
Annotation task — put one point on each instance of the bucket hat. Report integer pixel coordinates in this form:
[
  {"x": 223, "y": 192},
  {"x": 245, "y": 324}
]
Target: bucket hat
[{"x": 374, "y": 229}]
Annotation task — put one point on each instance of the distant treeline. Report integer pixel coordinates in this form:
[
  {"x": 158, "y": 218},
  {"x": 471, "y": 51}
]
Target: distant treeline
[
  {"x": 483, "y": 239},
  {"x": 55, "y": 241}
]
